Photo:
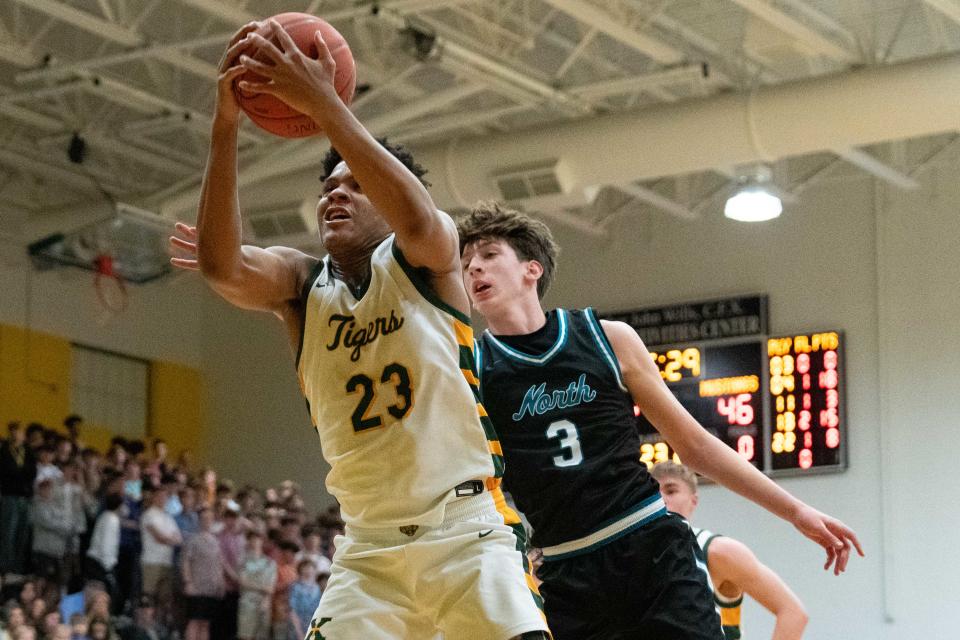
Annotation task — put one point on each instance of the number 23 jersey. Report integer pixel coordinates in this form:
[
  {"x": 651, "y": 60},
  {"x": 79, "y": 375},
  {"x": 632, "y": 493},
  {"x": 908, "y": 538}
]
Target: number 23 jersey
[
  {"x": 390, "y": 383},
  {"x": 566, "y": 425}
]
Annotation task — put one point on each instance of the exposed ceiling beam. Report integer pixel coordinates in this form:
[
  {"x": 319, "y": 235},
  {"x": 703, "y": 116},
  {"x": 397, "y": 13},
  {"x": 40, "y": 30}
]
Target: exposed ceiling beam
[
  {"x": 228, "y": 12},
  {"x": 704, "y": 44},
  {"x": 15, "y": 159},
  {"x": 813, "y": 39},
  {"x": 653, "y": 198},
  {"x": 598, "y": 19},
  {"x": 814, "y": 15},
  {"x": 508, "y": 79},
  {"x": 165, "y": 51},
  {"x": 652, "y": 81},
  {"x": 18, "y": 55},
  {"x": 450, "y": 122},
  {"x": 948, "y": 8},
  {"x": 85, "y": 21},
  {"x": 30, "y": 117},
  {"x": 134, "y": 98},
  {"x": 873, "y": 166}
]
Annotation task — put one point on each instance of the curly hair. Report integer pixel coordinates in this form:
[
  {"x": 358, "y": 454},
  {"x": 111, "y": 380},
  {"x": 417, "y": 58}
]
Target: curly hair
[
  {"x": 398, "y": 151},
  {"x": 529, "y": 238}
]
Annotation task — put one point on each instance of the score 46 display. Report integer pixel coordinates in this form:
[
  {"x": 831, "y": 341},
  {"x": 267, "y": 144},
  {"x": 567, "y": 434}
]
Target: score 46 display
[{"x": 778, "y": 402}]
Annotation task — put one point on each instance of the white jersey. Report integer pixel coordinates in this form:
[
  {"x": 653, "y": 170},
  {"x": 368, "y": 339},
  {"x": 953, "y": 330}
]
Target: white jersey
[{"x": 392, "y": 391}]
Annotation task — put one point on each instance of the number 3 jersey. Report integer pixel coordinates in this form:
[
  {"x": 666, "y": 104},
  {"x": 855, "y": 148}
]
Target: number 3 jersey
[
  {"x": 567, "y": 429},
  {"x": 390, "y": 384}
]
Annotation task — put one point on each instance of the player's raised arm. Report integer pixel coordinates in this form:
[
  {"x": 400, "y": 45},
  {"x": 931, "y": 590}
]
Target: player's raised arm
[
  {"x": 426, "y": 236},
  {"x": 707, "y": 455},
  {"x": 731, "y": 561},
  {"x": 249, "y": 277}
]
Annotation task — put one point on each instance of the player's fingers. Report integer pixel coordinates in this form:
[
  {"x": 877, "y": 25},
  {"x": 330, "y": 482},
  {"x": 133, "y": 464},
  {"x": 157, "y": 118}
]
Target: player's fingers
[
  {"x": 185, "y": 263},
  {"x": 324, "y": 57},
  {"x": 842, "y": 560},
  {"x": 850, "y": 536},
  {"x": 230, "y": 60},
  {"x": 266, "y": 47},
  {"x": 268, "y": 88},
  {"x": 186, "y": 245},
  {"x": 240, "y": 42},
  {"x": 285, "y": 40},
  {"x": 243, "y": 31},
  {"x": 831, "y": 554},
  {"x": 249, "y": 64},
  {"x": 185, "y": 228}
]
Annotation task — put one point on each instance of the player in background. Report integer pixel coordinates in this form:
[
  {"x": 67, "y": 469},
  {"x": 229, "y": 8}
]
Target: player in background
[
  {"x": 561, "y": 388},
  {"x": 734, "y": 570}
]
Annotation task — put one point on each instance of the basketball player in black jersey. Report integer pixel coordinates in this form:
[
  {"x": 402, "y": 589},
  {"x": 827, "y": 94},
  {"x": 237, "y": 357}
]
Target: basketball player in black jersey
[{"x": 560, "y": 388}]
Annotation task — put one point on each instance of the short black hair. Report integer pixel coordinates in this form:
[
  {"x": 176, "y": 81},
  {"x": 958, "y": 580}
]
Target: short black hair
[{"x": 398, "y": 151}]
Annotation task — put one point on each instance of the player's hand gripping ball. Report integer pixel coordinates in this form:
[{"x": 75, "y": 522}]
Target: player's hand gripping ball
[{"x": 272, "y": 114}]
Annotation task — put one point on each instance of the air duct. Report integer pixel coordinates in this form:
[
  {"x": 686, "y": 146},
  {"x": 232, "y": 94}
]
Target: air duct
[{"x": 849, "y": 110}]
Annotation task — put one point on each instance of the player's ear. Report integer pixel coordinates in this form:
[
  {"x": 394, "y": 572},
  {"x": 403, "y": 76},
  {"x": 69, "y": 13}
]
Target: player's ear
[
  {"x": 695, "y": 500},
  {"x": 534, "y": 269}
]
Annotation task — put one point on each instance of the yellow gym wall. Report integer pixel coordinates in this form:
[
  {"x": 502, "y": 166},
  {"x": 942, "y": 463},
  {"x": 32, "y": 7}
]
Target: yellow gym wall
[
  {"x": 175, "y": 407},
  {"x": 35, "y": 387},
  {"x": 34, "y": 377}
]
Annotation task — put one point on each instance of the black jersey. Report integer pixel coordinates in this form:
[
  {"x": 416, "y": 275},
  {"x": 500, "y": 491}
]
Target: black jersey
[{"x": 566, "y": 425}]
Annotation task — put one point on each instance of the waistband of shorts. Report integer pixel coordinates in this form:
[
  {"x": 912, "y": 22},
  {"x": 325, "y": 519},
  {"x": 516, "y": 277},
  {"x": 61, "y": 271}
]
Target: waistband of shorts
[
  {"x": 457, "y": 508},
  {"x": 643, "y": 513}
]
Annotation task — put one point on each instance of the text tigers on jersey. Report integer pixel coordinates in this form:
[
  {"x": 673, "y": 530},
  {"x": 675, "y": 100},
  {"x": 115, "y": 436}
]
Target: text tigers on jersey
[
  {"x": 537, "y": 401},
  {"x": 355, "y": 339}
]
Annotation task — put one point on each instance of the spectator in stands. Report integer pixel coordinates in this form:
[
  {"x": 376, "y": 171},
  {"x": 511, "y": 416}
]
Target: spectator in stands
[
  {"x": 258, "y": 576},
  {"x": 18, "y": 468},
  {"x": 173, "y": 506},
  {"x": 304, "y": 597},
  {"x": 45, "y": 466},
  {"x": 286, "y": 577},
  {"x": 79, "y": 627},
  {"x": 101, "y": 560},
  {"x": 14, "y": 617},
  {"x": 128, "y": 558},
  {"x": 232, "y": 545},
  {"x": 159, "y": 535},
  {"x": 158, "y": 464},
  {"x": 72, "y": 424},
  {"x": 63, "y": 452},
  {"x": 312, "y": 550},
  {"x": 53, "y": 526},
  {"x": 35, "y": 436},
  {"x": 203, "y": 578}
]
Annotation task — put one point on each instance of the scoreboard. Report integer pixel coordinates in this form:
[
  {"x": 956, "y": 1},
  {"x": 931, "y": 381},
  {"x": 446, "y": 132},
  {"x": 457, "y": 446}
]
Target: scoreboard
[{"x": 778, "y": 401}]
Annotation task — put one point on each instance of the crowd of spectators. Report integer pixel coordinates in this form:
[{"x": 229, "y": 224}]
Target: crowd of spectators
[{"x": 132, "y": 545}]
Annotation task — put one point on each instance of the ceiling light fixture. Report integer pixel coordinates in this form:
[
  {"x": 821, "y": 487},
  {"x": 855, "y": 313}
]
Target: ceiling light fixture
[{"x": 755, "y": 198}]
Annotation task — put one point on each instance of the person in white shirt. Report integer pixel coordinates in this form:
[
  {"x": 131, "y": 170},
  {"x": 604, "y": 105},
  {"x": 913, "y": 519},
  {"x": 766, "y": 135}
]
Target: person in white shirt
[
  {"x": 101, "y": 557},
  {"x": 160, "y": 535}
]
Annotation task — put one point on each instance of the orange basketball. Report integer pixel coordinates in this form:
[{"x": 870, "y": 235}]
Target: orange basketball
[{"x": 272, "y": 114}]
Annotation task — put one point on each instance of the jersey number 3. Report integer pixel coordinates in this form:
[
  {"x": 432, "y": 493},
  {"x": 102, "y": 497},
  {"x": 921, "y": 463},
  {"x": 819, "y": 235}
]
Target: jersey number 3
[
  {"x": 570, "y": 453},
  {"x": 395, "y": 374}
]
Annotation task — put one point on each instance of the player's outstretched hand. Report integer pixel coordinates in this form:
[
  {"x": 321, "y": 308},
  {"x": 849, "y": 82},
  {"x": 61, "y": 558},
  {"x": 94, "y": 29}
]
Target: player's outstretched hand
[
  {"x": 291, "y": 76},
  {"x": 185, "y": 244},
  {"x": 837, "y": 538}
]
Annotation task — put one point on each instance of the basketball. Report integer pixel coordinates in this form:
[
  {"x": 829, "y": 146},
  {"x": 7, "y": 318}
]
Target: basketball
[{"x": 271, "y": 113}]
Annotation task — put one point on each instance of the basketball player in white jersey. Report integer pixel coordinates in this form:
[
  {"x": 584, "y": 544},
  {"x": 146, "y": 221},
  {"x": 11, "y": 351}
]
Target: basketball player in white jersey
[
  {"x": 384, "y": 358},
  {"x": 734, "y": 569}
]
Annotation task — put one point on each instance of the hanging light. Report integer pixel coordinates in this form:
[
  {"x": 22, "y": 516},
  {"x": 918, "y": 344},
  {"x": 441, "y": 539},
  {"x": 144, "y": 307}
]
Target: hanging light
[{"x": 754, "y": 200}]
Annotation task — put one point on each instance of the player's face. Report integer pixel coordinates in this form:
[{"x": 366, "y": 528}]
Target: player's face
[
  {"x": 678, "y": 496},
  {"x": 495, "y": 277},
  {"x": 346, "y": 218}
]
